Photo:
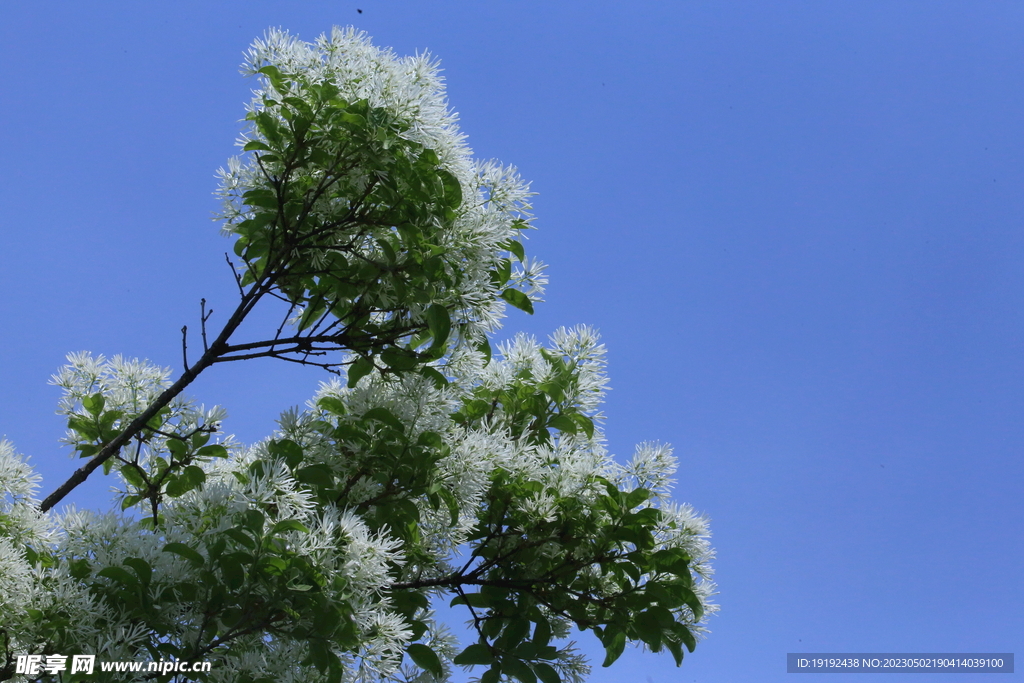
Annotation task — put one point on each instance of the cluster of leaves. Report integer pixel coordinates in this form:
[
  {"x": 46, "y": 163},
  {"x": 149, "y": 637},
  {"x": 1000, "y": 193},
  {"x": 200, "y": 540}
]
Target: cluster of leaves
[
  {"x": 599, "y": 568},
  {"x": 164, "y": 458},
  {"x": 247, "y": 580},
  {"x": 357, "y": 226},
  {"x": 348, "y": 218},
  {"x": 594, "y": 559},
  {"x": 530, "y": 407}
]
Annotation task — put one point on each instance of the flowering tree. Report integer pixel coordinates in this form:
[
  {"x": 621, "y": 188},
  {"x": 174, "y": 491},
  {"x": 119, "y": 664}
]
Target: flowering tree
[{"x": 424, "y": 470}]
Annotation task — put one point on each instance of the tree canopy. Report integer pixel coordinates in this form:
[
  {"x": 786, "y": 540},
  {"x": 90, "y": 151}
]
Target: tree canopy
[{"x": 427, "y": 469}]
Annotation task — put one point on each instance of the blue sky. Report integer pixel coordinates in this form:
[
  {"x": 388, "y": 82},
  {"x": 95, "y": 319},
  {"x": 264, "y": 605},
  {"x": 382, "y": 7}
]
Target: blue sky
[{"x": 798, "y": 226}]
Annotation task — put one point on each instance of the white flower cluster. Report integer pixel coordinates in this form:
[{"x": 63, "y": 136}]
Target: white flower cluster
[
  {"x": 496, "y": 201},
  {"x": 564, "y": 468},
  {"x": 128, "y": 387},
  {"x": 338, "y": 540},
  {"x": 20, "y": 524}
]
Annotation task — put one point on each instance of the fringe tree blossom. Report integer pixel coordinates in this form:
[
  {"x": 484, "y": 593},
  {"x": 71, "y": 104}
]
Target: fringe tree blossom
[{"x": 426, "y": 471}]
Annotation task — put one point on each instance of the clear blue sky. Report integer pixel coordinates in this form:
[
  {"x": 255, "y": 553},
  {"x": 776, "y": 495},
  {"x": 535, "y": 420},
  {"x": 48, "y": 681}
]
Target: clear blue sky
[{"x": 798, "y": 225}]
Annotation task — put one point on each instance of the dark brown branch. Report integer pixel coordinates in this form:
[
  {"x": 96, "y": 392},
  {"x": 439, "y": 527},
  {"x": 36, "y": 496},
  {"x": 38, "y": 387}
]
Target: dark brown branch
[{"x": 139, "y": 423}]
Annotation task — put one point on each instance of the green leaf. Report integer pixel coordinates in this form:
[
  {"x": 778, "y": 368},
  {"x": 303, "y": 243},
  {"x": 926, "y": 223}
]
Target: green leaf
[
  {"x": 546, "y": 673},
  {"x": 287, "y": 449},
  {"x": 314, "y": 311},
  {"x": 662, "y": 616},
  {"x": 271, "y": 565},
  {"x": 471, "y": 599},
  {"x": 141, "y": 568},
  {"x": 131, "y": 474},
  {"x": 232, "y": 571},
  {"x": 120, "y": 575},
  {"x": 407, "y": 602},
  {"x": 501, "y": 274},
  {"x": 431, "y": 373},
  {"x": 300, "y": 105},
  {"x": 190, "y": 478},
  {"x": 518, "y": 299},
  {"x": 386, "y": 416},
  {"x": 333, "y": 405},
  {"x": 195, "y": 474},
  {"x": 107, "y": 421},
  {"x": 674, "y": 560},
  {"x": 563, "y": 423},
  {"x": 634, "y": 572},
  {"x": 177, "y": 448},
  {"x": 269, "y": 126},
  {"x": 315, "y": 655},
  {"x": 241, "y": 537},
  {"x": 426, "y": 659},
  {"x": 636, "y": 497},
  {"x": 256, "y": 145},
  {"x": 262, "y": 199},
  {"x": 649, "y": 629},
  {"x": 613, "y": 647},
  {"x": 440, "y": 323},
  {"x": 254, "y": 519},
  {"x": 691, "y": 600},
  {"x": 485, "y": 348},
  {"x": 399, "y": 359},
  {"x": 515, "y": 631},
  {"x": 477, "y": 653},
  {"x": 388, "y": 250},
  {"x": 518, "y": 668},
  {"x": 452, "y": 189},
  {"x": 354, "y": 121},
  {"x": 79, "y": 569},
  {"x": 516, "y": 247},
  {"x": 362, "y": 367},
  {"x": 685, "y": 636},
  {"x": 86, "y": 428},
  {"x": 453, "y": 505},
  {"x": 288, "y": 525},
  {"x": 94, "y": 404},
  {"x": 275, "y": 77},
  {"x": 542, "y": 635},
  {"x": 676, "y": 650},
  {"x": 585, "y": 423},
  {"x": 316, "y": 475},
  {"x": 186, "y": 552},
  {"x": 418, "y": 628},
  {"x": 214, "y": 450},
  {"x": 326, "y": 621}
]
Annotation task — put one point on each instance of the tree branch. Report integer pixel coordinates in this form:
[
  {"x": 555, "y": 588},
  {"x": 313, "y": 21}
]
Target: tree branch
[{"x": 216, "y": 349}]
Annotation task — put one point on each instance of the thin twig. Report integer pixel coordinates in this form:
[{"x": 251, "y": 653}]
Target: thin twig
[
  {"x": 204, "y": 316},
  {"x": 184, "y": 346},
  {"x": 238, "y": 278}
]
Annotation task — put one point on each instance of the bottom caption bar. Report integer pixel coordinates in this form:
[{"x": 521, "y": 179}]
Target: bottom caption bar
[{"x": 899, "y": 662}]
